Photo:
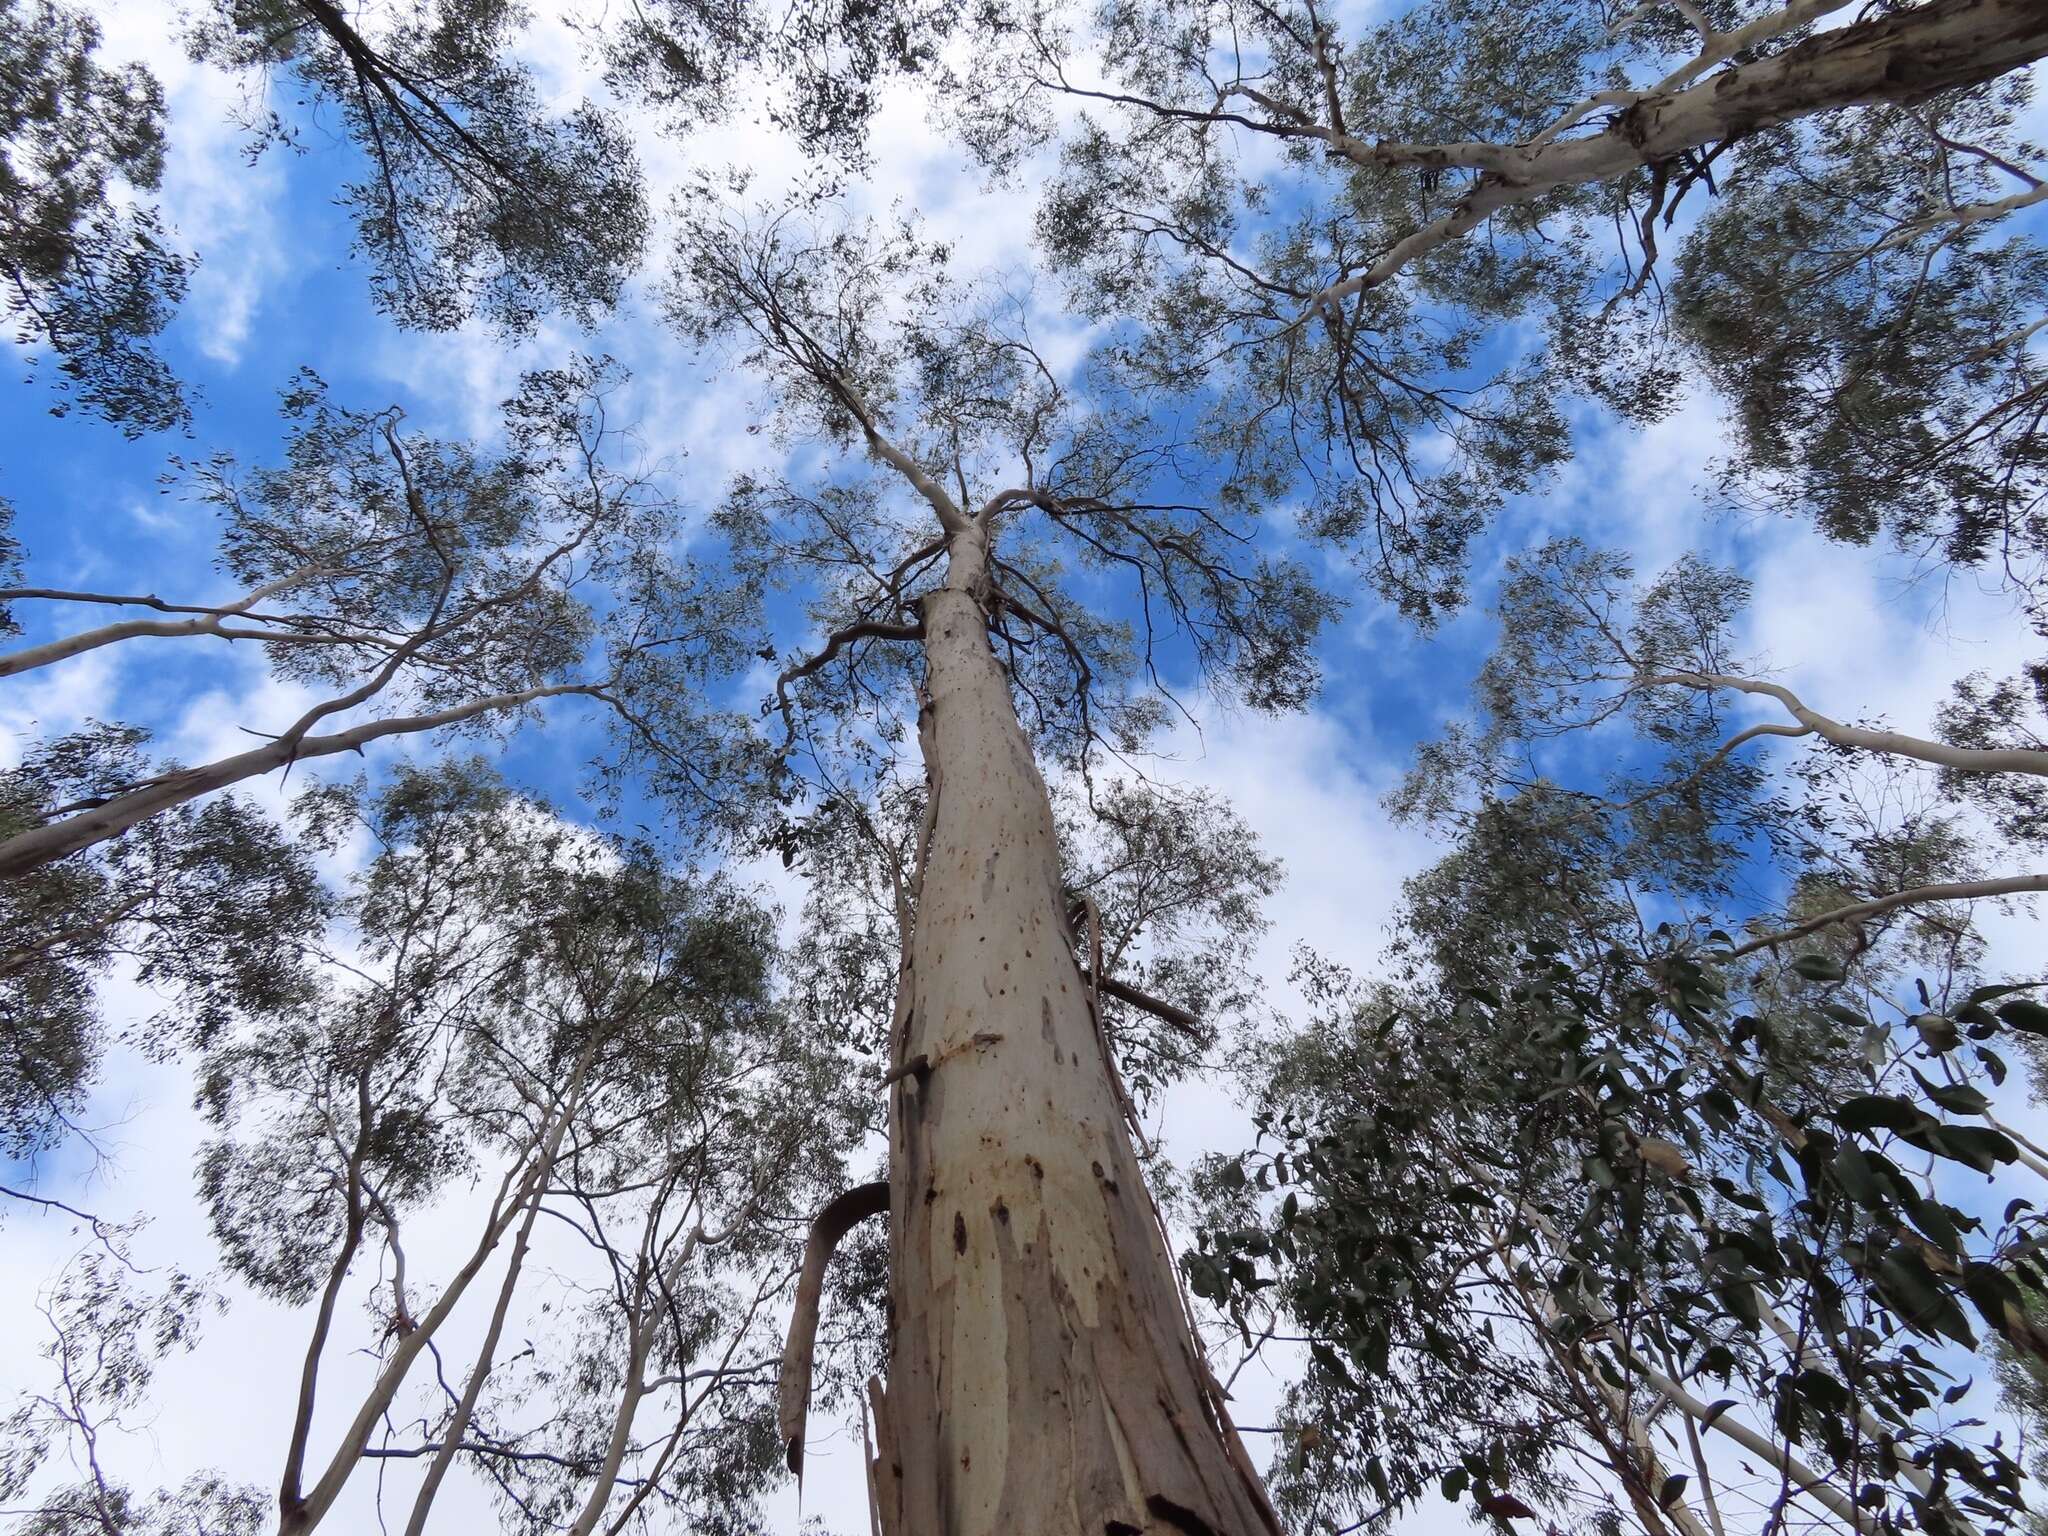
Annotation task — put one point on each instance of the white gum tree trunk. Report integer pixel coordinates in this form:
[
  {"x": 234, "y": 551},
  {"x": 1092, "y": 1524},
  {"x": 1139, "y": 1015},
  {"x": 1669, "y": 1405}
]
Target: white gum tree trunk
[{"x": 1043, "y": 1377}]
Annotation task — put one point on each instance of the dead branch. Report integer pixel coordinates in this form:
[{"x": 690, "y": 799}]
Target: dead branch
[{"x": 830, "y": 1225}]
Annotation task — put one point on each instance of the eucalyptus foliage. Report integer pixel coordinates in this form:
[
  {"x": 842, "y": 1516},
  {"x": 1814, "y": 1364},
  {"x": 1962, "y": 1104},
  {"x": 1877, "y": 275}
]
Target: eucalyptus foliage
[
  {"x": 1384, "y": 259},
  {"x": 87, "y": 267}
]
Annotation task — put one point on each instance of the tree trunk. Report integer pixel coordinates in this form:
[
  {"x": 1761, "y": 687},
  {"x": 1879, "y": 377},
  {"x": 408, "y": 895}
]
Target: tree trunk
[{"x": 1043, "y": 1377}]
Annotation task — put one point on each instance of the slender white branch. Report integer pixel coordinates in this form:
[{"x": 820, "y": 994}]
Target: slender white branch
[
  {"x": 1803, "y": 1478},
  {"x": 1919, "y": 896},
  {"x": 1961, "y": 218},
  {"x": 204, "y": 621},
  {"x": 1893, "y": 743},
  {"x": 1896, "y": 57},
  {"x": 42, "y": 845}
]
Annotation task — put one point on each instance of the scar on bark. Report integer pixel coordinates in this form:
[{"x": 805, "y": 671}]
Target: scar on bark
[{"x": 830, "y": 1225}]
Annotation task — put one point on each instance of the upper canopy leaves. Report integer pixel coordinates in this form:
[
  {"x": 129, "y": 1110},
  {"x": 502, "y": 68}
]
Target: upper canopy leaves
[
  {"x": 1110, "y": 561},
  {"x": 1379, "y": 264},
  {"x": 87, "y": 271}
]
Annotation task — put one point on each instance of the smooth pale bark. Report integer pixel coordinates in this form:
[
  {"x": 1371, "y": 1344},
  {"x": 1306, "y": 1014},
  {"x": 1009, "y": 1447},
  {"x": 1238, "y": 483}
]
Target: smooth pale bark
[
  {"x": 298, "y": 1515},
  {"x": 204, "y": 621},
  {"x": 1043, "y": 1376},
  {"x": 631, "y": 1391},
  {"x": 1919, "y": 896},
  {"x": 1899, "y": 57},
  {"x": 793, "y": 1389},
  {"x": 486, "y": 1357},
  {"x": 1892, "y": 743}
]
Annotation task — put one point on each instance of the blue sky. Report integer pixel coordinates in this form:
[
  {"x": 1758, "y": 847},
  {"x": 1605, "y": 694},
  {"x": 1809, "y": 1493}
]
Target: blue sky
[{"x": 277, "y": 291}]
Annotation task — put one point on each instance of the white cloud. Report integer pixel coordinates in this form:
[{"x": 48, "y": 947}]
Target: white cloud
[
  {"x": 216, "y": 202},
  {"x": 55, "y": 700}
]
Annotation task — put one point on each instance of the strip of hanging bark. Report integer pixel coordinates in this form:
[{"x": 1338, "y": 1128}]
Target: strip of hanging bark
[{"x": 831, "y": 1224}]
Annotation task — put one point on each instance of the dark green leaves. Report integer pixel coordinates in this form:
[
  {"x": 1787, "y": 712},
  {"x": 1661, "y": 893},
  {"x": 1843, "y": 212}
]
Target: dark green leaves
[
  {"x": 1905, "y": 1282},
  {"x": 1957, "y": 1098},
  {"x": 2026, "y": 1015},
  {"x": 89, "y": 271},
  {"x": 1869, "y": 1112},
  {"x": 1819, "y": 968},
  {"x": 1979, "y": 1147}
]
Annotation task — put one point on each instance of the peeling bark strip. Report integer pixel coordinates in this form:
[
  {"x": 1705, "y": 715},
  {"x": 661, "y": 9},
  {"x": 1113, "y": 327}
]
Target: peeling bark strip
[
  {"x": 1042, "y": 1377},
  {"x": 794, "y": 1386}
]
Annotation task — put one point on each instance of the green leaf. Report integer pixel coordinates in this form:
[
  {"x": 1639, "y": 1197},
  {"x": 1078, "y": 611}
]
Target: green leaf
[
  {"x": 1818, "y": 968},
  {"x": 1904, "y": 1282},
  {"x": 1986, "y": 994},
  {"x": 1991, "y": 1291},
  {"x": 1977, "y": 1146},
  {"x": 1822, "y": 1390},
  {"x": 1853, "y": 1170},
  {"x": 1993, "y": 1064},
  {"x": 1938, "y": 1034},
  {"x": 2025, "y": 1014},
  {"x": 1332, "y": 1362},
  {"x": 1932, "y": 1217},
  {"x": 1877, "y": 1111},
  {"x": 1958, "y": 1098}
]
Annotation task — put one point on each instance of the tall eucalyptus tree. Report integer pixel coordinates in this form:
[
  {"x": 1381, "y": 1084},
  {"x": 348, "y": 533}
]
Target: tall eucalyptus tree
[
  {"x": 1686, "y": 1091},
  {"x": 1042, "y": 1374},
  {"x": 87, "y": 272},
  {"x": 472, "y": 193},
  {"x": 447, "y": 588},
  {"x": 538, "y": 1078}
]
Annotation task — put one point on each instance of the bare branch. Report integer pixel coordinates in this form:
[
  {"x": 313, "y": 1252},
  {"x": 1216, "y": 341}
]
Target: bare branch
[{"x": 830, "y": 1225}]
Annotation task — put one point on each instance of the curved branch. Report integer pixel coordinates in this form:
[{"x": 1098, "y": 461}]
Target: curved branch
[
  {"x": 1894, "y": 743},
  {"x": 830, "y": 1225},
  {"x": 1713, "y": 760},
  {"x": 206, "y": 621},
  {"x": 1965, "y": 890},
  {"x": 866, "y": 629},
  {"x": 1897, "y": 57},
  {"x": 1962, "y": 218},
  {"x": 43, "y": 845}
]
